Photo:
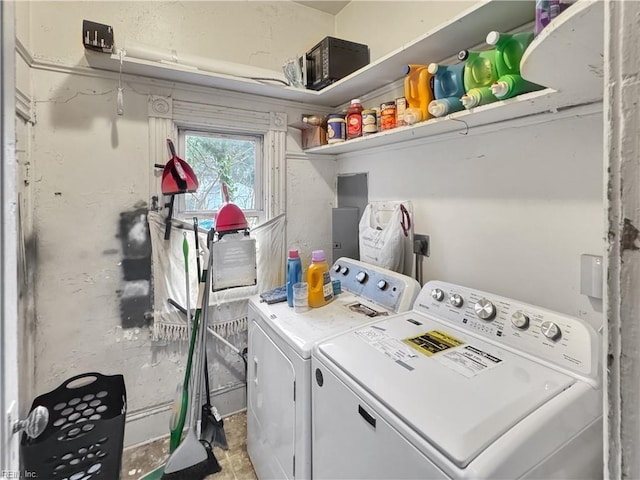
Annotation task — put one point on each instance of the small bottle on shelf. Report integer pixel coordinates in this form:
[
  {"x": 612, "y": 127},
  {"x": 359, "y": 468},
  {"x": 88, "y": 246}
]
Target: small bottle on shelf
[{"x": 354, "y": 119}]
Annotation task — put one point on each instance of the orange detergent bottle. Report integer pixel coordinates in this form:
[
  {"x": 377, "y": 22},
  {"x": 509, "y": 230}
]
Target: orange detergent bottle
[
  {"x": 319, "y": 280},
  {"x": 417, "y": 88}
]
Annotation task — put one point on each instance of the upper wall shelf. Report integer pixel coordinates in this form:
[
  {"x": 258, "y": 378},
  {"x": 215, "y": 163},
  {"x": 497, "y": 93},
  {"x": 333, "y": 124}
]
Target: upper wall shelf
[
  {"x": 517, "y": 107},
  {"x": 566, "y": 56},
  {"x": 442, "y": 42}
]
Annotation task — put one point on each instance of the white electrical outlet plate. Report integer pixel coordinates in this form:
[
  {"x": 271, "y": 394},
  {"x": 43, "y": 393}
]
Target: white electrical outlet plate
[{"x": 591, "y": 280}]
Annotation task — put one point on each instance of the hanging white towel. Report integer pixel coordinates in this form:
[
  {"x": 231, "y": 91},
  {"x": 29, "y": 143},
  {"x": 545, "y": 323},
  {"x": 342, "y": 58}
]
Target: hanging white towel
[{"x": 228, "y": 308}]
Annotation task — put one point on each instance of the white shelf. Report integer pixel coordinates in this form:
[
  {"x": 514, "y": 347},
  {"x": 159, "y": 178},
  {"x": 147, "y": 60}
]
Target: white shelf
[
  {"x": 521, "y": 106},
  {"x": 566, "y": 56},
  {"x": 465, "y": 30}
]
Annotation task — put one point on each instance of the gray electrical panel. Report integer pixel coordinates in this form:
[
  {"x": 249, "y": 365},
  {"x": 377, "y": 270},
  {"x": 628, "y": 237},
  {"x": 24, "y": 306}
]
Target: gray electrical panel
[{"x": 345, "y": 232}]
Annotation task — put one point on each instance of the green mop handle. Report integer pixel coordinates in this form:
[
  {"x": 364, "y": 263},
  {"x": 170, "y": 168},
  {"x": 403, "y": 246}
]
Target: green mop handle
[
  {"x": 176, "y": 433},
  {"x": 178, "y": 423},
  {"x": 185, "y": 251}
]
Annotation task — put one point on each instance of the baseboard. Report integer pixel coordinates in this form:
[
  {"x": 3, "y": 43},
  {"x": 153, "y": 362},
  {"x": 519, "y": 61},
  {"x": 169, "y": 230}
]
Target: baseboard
[{"x": 150, "y": 424}]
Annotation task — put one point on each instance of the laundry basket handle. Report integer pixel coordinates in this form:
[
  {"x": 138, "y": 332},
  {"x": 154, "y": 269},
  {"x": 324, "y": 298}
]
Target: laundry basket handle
[{"x": 96, "y": 376}]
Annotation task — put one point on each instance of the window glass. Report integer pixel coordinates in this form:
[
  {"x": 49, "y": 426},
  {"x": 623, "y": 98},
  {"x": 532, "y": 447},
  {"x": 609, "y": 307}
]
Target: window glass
[{"x": 218, "y": 158}]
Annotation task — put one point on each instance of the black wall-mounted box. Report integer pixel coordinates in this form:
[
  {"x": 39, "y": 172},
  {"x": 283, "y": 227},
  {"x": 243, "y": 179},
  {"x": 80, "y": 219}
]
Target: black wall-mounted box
[{"x": 97, "y": 36}]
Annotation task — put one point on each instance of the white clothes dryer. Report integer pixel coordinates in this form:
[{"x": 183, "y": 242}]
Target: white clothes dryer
[
  {"x": 466, "y": 385},
  {"x": 279, "y": 361}
]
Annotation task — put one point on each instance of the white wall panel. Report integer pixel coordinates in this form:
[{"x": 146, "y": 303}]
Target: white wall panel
[
  {"x": 385, "y": 26},
  {"x": 263, "y": 34},
  {"x": 509, "y": 212}
]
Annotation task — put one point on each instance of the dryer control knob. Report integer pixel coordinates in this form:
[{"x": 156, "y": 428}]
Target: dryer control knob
[
  {"x": 337, "y": 267},
  {"x": 520, "y": 320},
  {"x": 456, "y": 300},
  {"x": 551, "y": 330},
  {"x": 361, "y": 277},
  {"x": 437, "y": 294},
  {"x": 382, "y": 284},
  {"x": 345, "y": 271},
  {"x": 485, "y": 309}
]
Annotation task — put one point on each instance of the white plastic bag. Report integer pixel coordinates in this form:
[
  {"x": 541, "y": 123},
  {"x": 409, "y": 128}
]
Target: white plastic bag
[{"x": 383, "y": 230}]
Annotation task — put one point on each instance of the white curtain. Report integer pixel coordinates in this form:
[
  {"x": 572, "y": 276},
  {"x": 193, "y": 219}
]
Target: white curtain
[{"x": 228, "y": 308}]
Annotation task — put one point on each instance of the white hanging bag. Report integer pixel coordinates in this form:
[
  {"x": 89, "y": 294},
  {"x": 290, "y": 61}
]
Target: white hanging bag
[{"x": 383, "y": 234}]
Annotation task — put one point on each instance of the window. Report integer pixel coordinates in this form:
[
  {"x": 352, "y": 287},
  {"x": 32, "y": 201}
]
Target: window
[
  {"x": 217, "y": 158},
  {"x": 226, "y": 120}
]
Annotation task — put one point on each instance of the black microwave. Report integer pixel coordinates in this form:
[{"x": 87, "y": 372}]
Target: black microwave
[{"x": 330, "y": 60}]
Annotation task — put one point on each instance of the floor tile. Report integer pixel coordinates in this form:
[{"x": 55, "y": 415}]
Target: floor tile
[{"x": 235, "y": 461}]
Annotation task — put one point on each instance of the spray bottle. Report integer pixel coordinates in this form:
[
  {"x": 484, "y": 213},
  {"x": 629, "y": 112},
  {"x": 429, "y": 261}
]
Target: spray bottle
[{"x": 294, "y": 273}]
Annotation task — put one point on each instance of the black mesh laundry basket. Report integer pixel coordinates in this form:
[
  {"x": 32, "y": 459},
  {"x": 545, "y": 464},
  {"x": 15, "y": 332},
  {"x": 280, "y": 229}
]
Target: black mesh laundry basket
[{"x": 85, "y": 434}]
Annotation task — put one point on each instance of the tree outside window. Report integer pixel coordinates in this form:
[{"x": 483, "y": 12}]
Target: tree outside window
[{"x": 218, "y": 158}]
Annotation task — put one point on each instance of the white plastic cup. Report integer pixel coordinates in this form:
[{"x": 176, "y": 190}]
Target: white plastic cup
[{"x": 300, "y": 297}]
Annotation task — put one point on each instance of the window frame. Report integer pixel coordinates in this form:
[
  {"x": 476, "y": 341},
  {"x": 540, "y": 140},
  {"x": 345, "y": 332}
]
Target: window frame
[{"x": 232, "y": 112}]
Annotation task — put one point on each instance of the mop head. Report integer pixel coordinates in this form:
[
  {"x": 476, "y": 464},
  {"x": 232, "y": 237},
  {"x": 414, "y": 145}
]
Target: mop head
[{"x": 198, "y": 471}]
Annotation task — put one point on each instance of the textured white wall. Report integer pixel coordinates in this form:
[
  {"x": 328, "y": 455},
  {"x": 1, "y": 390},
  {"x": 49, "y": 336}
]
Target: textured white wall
[
  {"x": 385, "y": 26},
  {"x": 23, "y": 23},
  {"x": 262, "y": 33},
  {"x": 511, "y": 223},
  {"x": 509, "y": 212},
  {"x": 622, "y": 298},
  {"x": 90, "y": 165}
]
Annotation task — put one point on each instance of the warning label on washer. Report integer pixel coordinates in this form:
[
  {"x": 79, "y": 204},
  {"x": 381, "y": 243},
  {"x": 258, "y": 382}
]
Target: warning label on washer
[
  {"x": 468, "y": 360},
  {"x": 433, "y": 342},
  {"x": 390, "y": 346}
]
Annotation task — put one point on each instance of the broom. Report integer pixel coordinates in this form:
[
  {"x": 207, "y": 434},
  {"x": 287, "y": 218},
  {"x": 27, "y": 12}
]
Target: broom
[
  {"x": 212, "y": 422},
  {"x": 181, "y": 403},
  {"x": 192, "y": 460}
]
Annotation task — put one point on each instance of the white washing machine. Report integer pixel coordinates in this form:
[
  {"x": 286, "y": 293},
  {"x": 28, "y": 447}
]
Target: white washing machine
[
  {"x": 279, "y": 361},
  {"x": 466, "y": 385}
]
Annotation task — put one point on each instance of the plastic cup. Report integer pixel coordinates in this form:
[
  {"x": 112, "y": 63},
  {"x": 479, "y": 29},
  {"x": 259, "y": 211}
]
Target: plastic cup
[{"x": 300, "y": 297}]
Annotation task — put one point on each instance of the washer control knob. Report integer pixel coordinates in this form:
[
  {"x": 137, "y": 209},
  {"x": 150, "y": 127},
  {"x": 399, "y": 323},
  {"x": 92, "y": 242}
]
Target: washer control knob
[
  {"x": 551, "y": 330},
  {"x": 361, "y": 277},
  {"x": 485, "y": 310},
  {"x": 337, "y": 267},
  {"x": 345, "y": 271},
  {"x": 520, "y": 320},
  {"x": 437, "y": 294},
  {"x": 456, "y": 300},
  {"x": 382, "y": 284}
]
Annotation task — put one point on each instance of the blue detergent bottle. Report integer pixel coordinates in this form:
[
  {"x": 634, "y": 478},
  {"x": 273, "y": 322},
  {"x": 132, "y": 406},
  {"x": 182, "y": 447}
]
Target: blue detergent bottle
[
  {"x": 294, "y": 274},
  {"x": 448, "y": 89}
]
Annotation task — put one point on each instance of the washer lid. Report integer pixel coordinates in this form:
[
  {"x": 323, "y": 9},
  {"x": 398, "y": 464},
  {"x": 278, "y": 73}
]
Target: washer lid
[
  {"x": 461, "y": 398},
  {"x": 303, "y": 330}
]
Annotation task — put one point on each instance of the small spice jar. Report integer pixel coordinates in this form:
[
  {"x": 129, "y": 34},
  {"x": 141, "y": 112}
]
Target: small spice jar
[
  {"x": 388, "y": 115},
  {"x": 369, "y": 122}
]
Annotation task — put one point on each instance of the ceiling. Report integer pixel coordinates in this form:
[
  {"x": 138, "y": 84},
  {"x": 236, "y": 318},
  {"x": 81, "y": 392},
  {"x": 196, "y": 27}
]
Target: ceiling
[{"x": 327, "y": 6}]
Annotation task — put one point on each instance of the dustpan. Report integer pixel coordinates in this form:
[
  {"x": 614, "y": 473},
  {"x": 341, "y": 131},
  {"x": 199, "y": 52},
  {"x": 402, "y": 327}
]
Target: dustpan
[{"x": 177, "y": 176}]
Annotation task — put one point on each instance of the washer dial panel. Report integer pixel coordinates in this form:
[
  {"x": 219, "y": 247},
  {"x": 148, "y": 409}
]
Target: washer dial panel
[{"x": 560, "y": 339}]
